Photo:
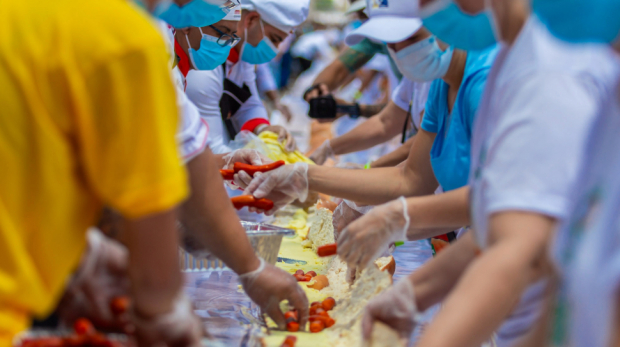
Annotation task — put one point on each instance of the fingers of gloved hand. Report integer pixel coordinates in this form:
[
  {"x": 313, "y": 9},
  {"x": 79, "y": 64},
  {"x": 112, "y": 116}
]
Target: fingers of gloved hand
[
  {"x": 254, "y": 185},
  {"x": 274, "y": 312},
  {"x": 396, "y": 307},
  {"x": 246, "y": 156},
  {"x": 242, "y": 179},
  {"x": 350, "y": 275},
  {"x": 367, "y": 323},
  {"x": 180, "y": 326},
  {"x": 343, "y": 216},
  {"x": 298, "y": 299},
  {"x": 290, "y": 145}
]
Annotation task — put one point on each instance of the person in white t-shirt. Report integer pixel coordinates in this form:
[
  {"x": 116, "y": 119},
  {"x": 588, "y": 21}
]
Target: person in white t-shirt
[
  {"x": 585, "y": 311},
  {"x": 408, "y": 100},
  {"x": 227, "y": 96},
  {"x": 541, "y": 101}
]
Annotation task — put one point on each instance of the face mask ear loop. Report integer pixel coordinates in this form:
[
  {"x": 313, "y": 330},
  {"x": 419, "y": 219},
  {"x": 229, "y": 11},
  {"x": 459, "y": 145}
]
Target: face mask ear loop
[
  {"x": 262, "y": 29},
  {"x": 189, "y": 55},
  {"x": 489, "y": 10}
]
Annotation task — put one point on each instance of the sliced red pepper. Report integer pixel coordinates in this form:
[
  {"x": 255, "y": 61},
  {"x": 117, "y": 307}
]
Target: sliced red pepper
[
  {"x": 228, "y": 175},
  {"x": 289, "y": 341},
  {"x": 252, "y": 169},
  {"x": 327, "y": 250},
  {"x": 248, "y": 200}
]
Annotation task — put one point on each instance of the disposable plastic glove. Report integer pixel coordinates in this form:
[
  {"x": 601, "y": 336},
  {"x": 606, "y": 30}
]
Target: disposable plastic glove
[
  {"x": 322, "y": 153},
  {"x": 246, "y": 156},
  {"x": 268, "y": 285},
  {"x": 101, "y": 277},
  {"x": 368, "y": 237},
  {"x": 395, "y": 307},
  {"x": 283, "y": 135},
  {"x": 346, "y": 212},
  {"x": 179, "y": 327},
  {"x": 282, "y": 186}
]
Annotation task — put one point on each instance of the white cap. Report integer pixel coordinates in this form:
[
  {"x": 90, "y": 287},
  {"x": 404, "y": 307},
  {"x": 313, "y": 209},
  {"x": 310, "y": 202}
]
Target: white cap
[
  {"x": 285, "y": 15},
  {"x": 234, "y": 14},
  {"x": 390, "y": 21}
]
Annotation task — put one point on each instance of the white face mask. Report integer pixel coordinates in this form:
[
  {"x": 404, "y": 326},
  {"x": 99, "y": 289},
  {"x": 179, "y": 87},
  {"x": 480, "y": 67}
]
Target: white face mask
[{"x": 423, "y": 61}]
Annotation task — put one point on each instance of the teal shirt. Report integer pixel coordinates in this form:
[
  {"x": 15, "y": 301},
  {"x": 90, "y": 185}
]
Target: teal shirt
[{"x": 450, "y": 154}]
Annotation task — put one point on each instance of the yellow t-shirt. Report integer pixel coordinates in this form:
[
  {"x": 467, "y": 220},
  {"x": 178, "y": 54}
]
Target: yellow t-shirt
[{"x": 87, "y": 117}]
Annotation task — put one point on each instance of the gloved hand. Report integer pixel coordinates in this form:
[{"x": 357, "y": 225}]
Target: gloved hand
[
  {"x": 268, "y": 285},
  {"x": 286, "y": 112},
  {"x": 368, "y": 237},
  {"x": 346, "y": 212},
  {"x": 322, "y": 153},
  {"x": 283, "y": 135},
  {"x": 179, "y": 327},
  {"x": 101, "y": 277},
  {"x": 395, "y": 307},
  {"x": 282, "y": 186},
  {"x": 246, "y": 156}
]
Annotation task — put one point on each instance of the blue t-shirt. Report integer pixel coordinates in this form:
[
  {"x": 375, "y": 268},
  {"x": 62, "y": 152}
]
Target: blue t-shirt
[{"x": 450, "y": 154}]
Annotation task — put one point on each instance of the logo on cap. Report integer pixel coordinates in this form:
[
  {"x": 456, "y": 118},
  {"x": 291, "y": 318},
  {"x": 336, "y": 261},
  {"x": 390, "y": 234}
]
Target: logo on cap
[{"x": 379, "y": 3}]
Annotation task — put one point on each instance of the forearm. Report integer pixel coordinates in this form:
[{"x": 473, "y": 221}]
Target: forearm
[
  {"x": 210, "y": 220},
  {"x": 363, "y": 136},
  {"x": 376, "y": 130},
  {"x": 368, "y": 111},
  {"x": 156, "y": 279},
  {"x": 333, "y": 75},
  {"x": 364, "y": 186},
  {"x": 395, "y": 157},
  {"x": 488, "y": 291},
  {"x": 434, "y": 280},
  {"x": 448, "y": 210},
  {"x": 494, "y": 282}
]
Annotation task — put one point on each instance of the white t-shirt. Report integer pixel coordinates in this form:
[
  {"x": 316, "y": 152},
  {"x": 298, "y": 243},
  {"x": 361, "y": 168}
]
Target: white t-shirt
[
  {"x": 205, "y": 88},
  {"x": 412, "y": 92},
  {"x": 541, "y": 100},
  {"x": 587, "y": 247},
  {"x": 192, "y": 135}
]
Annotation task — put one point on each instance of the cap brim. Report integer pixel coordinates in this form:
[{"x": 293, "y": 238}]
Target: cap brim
[{"x": 385, "y": 29}]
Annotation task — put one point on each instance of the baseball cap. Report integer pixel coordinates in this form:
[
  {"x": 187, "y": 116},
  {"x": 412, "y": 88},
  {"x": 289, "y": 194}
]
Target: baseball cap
[
  {"x": 390, "y": 21},
  {"x": 285, "y": 15},
  {"x": 233, "y": 14}
]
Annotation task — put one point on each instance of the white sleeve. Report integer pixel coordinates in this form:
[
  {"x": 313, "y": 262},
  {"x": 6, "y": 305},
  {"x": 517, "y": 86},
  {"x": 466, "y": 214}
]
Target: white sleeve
[
  {"x": 192, "y": 135},
  {"x": 253, "y": 107},
  {"x": 535, "y": 151},
  {"x": 204, "y": 89},
  {"x": 403, "y": 93},
  {"x": 264, "y": 78}
]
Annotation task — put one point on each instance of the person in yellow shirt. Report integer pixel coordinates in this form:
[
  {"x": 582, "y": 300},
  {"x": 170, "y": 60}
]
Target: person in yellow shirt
[{"x": 88, "y": 119}]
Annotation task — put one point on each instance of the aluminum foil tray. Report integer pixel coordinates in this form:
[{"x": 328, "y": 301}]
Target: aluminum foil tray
[{"x": 265, "y": 239}]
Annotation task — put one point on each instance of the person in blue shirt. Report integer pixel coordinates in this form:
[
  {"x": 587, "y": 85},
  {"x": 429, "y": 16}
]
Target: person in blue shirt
[
  {"x": 439, "y": 154},
  {"x": 450, "y": 114}
]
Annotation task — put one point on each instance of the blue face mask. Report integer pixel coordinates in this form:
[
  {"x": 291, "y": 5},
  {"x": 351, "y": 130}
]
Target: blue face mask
[
  {"x": 422, "y": 61},
  {"x": 263, "y": 53},
  {"x": 581, "y": 20},
  {"x": 210, "y": 54},
  {"x": 197, "y": 13},
  {"x": 461, "y": 30}
]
